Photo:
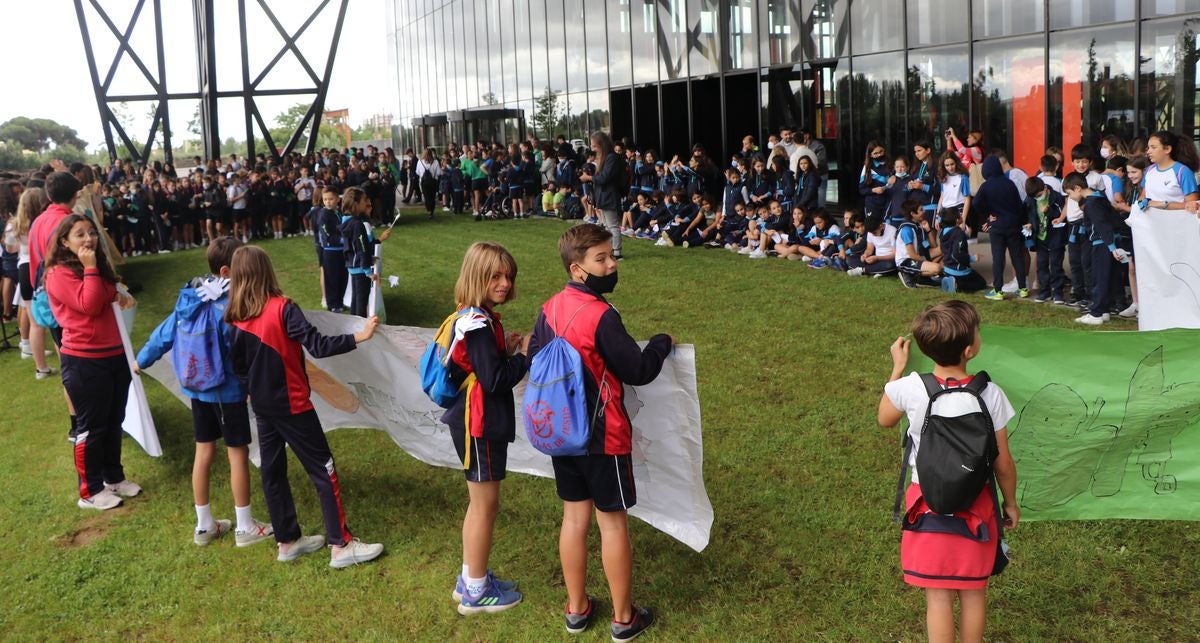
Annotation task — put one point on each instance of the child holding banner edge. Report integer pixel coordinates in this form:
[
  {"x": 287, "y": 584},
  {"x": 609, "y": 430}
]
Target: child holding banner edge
[
  {"x": 603, "y": 479},
  {"x": 482, "y": 420},
  {"x": 948, "y": 333}
]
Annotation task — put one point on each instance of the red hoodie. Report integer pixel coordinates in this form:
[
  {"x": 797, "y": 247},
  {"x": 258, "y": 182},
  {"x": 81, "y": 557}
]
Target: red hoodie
[
  {"x": 83, "y": 307},
  {"x": 40, "y": 232}
]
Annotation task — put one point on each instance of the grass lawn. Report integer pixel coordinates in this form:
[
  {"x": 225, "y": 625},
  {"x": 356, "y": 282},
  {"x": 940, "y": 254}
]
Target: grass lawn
[{"x": 791, "y": 362}]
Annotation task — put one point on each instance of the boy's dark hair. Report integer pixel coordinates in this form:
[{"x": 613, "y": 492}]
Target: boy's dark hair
[
  {"x": 1116, "y": 162},
  {"x": 908, "y": 207},
  {"x": 945, "y": 330},
  {"x": 220, "y": 253},
  {"x": 733, "y": 172},
  {"x": 574, "y": 244},
  {"x": 1048, "y": 163},
  {"x": 61, "y": 187},
  {"x": 949, "y": 217},
  {"x": 1034, "y": 185},
  {"x": 1074, "y": 181},
  {"x": 1081, "y": 151},
  {"x": 857, "y": 218},
  {"x": 873, "y": 222}
]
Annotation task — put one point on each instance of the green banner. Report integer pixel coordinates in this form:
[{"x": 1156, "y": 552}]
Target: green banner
[{"x": 1107, "y": 422}]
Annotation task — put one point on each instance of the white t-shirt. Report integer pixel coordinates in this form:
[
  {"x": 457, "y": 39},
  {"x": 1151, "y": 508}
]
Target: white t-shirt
[
  {"x": 1167, "y": 185},
  {"x": 885, "y": 244},
  {"x": 1052, "y": 182},
  {"x": 955, "y": 190},
  {"x": 902, "y": 243},
  {"x": 908, "y": 395},
  {"x": 1095, "y": 181},
  {"x": 1018, "y": 178}
]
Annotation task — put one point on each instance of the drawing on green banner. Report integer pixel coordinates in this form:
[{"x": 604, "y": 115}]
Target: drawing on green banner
[{"x": 1098, "y": 454}]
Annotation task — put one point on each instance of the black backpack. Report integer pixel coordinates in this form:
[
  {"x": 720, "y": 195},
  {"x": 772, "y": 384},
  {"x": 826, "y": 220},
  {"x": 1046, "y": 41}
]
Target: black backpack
[{"x": 956, "y": 456}]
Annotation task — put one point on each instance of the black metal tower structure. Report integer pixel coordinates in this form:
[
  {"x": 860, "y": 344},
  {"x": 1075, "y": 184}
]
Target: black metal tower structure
[{"x": 208, "y": 91}]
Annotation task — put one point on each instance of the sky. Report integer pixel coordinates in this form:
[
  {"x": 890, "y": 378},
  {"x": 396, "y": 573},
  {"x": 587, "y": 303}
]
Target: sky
[{"x": 42, "y": 41}]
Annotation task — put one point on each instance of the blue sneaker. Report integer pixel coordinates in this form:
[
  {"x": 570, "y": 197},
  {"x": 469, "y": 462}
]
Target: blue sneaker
[
  {"x": 491, "y": 600},
  {"x": 460, "y": 585},
  {"x": 838, "y": 264},
  {"x": 949, "y": 286},
  {"x": 817, "y": 263}
]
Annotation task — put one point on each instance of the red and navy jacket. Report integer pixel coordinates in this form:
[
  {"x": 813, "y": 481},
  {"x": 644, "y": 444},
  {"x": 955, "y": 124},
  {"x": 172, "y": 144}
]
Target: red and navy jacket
[
  {"x": 486, "y": 407},
  {"x": 609, "y": 355},
  {"x": 268, "y": 347}
]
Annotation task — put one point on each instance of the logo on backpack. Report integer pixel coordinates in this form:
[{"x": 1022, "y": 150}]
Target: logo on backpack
[
  {"x": 436, "y": 379},
  {"x": 555, "y": 397},
  {"x": 199, "y": 363}
]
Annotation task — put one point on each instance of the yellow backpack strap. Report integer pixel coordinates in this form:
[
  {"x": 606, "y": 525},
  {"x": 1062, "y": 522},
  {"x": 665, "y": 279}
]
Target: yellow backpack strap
[{"x": 468, "y": 386}]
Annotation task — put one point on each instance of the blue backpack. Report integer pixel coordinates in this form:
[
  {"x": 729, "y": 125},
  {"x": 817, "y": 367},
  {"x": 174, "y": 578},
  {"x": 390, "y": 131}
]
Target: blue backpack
[
  {"x": 435, "y": 363},
  {"x": 198, "y": 360},
  {"x": 555, "y": 403}
]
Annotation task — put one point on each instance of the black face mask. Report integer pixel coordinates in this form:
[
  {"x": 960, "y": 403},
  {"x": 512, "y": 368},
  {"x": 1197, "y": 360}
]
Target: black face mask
[{"x": 601, "y": 285}]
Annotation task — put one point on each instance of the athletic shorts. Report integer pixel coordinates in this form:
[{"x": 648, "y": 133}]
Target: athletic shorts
[
  {"x": 486, "y": 460},
  {"x": 240, "y": 214},
  {"x": 909, "y": 266},
  {"x": 23, "y": 280},
  {"x": 606, "y": 480},
  {"x": 214, "y": 421},
  {"x": 516, "y": 192},
  {"x": 479, "y": 185}
]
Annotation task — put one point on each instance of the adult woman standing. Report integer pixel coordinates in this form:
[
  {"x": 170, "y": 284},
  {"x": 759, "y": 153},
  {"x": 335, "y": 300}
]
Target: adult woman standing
[
  {"x": 428, "y": 171},
  {"x": 609, "y": 183}
]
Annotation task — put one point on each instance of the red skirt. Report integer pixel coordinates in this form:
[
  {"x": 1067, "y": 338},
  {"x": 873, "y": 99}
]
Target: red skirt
[{"x": 949, "y": 552}]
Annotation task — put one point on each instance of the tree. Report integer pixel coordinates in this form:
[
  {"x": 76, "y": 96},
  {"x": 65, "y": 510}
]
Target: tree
[
  {"x": 545, "y": 112},
  {"x": 489, "y": 99},
  {"x": 37, "y": 134}
]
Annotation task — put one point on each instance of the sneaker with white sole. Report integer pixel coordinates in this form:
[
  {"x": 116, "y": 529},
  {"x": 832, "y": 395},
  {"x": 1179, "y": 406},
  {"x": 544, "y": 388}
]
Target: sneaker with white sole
[
  {"x": 460, "y": 585},
  {"x": 259, "y": 531},
  {"x": 203, "y": 537},
  {"x": 1092, "y": 320},
  {"x": 1129, "y": 313},
  {"x": 40, "y": 374},
  {"x": 302, "y": 545},
  {"x": 641, "y": 621},
  {"x": 577, "y": 623},
  {"x": 949, "y": 285},
  {"x": 491, "y": 600},
  {"x": 355, "y": 552},
  {"x": 855, "y": 272},
  {"x": 757, "y": 254},
  {"x": 104, "y": 500},
  {"x": 745, "y": 250},
  {"x": 124, "y": 488},
  {"x": 907, "y": 280}
]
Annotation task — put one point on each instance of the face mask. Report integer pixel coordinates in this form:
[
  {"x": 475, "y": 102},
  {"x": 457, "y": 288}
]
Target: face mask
[
  {"x": 1104, "y": 153},
  {"x": 600, "y": 284},
  {"x": 901, "y": 175},
  {"x": 876, "y": 162}
]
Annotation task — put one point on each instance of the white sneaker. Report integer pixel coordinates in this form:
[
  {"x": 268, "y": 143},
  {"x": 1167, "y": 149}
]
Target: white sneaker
[
  {"x": 1092, "y": 320},
  {"x": 758, "y": 254},
  {"x": 164, "y": 251},
  {"x": 40, "y": 374},
  {"x": 855, "y": 272},
  {"x": 203, "y": 537},
  {"x": 1128, "y": 313},
  {"x": 124, "y": 488},
  {"x": 745, "y": 250},
  {"x": 102, "y": 501},
  {"x": 260, "y": 531},
  {"x": 806, "y": 258},
  {"x": 1011, "y": 287},
  {"x": 730, "y": 246},
  {"x": 303, "y": 545},
  {"x": 355, "y": 552},
  {"x": 445, "y": 209},
  {"x": 662, "y": 241}
]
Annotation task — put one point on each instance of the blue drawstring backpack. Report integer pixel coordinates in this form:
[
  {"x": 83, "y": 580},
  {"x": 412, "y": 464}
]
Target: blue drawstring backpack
[
  {"x": 435, "y": 363},
  {"x": 199, "y": 364},
  {"x": 555, "y": 403}
]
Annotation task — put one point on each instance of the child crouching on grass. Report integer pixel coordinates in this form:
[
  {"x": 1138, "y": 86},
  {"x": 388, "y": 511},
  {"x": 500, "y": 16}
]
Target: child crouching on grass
[{"x": 948, "y": 333}]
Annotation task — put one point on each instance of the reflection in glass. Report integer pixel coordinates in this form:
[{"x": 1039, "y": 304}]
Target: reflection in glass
[
  {"x": 1007, "y": 17},
  {"x": 743, "y": 44},
  {"x": 495, "y": 88},
  {"x": 877, "y": 84},
  {"x": 782, "y": 95},
  {"x": 598, "y": 116},
  {"x": 1092, "y": 85},
  {"x": 577, "y": 115},
  {"x": 672, "y": 39},
  {"x": 454, "y": 56},
  {"x": 876, "y": 25},
  {"x": 556, "y": 45},
  {"x": 1152, "y": 8},
  {"x": 537, "y": 46},
  {"x": 596, "y": 44},
  {"x": 619, "y": 68},
  {"x": 936, "y": 22},
  {"x": 704, "y": 45},
  {"x": 779, "y": 24},
  {"x": 824, "y": 29},
  {"x": 1091, "y": 12},
  {"x": 576, "y": 61},
  {"x": 508, "y": 51},
  {"x": 937, "y": 93},
  {"x": 522, "y": 71},
  {"x": 1010, "y": 80},
  {"x": 644, "y": 17},
  {"x": 1170, "y": 75},
  {"x": 483, "y": 56}
]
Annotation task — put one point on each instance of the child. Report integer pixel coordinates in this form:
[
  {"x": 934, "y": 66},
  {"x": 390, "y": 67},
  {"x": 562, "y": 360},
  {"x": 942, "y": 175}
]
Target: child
[
  {"x": 331, "y": 249},
  {"x": 1078, "y": 253},
  {"x": 957, "y": 274},
  {"x": 955, "y": 189},
  {"x": 852, "y": 243},
  {"x": 785, "y": 181},
  {"x": 457, "y": 184},
  {"x": 603, "y": 479},
  {"x": 1048, "y": 229},
  {"x": 358, "y": 243},
  {"x": 879, "y": 256},
  {"x": 897, "y": 191},
  {"x": 922, "y": 183},
  {"x": 214, "y": 208},
  {"x": 999, "y": 201},
  {"x": 219, "y": 411},
  {"x": 1135, "y": 173},
  {"x": 481, "y": 421},
  {"x": 265, "y": 352},
  {"x": 821, "y": 240},
  {"x": 734, "y": 193},
  {"x": 808, "y": 182},
  {"x": 1101, "y": 221},
  {"x": 1049, "y": 165},
  {"x": 873, "y": 181},
  {"x": 698, "y": 231},
  {"x": 915, "y": 247},
  {"x": 949, "y": 334}
]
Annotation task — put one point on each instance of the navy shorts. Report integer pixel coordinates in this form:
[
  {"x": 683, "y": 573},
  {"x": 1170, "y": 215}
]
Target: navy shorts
[
  {"x": 606, "y": 480},
  {"x": 487, "y": 461},
  {"x": 516, "y": 192},
  {"x": 213, "y": 421}
]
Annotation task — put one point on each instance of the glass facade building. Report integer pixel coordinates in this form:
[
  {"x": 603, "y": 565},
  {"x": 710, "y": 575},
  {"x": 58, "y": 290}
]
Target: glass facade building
[{"x": 670, "y": 73}]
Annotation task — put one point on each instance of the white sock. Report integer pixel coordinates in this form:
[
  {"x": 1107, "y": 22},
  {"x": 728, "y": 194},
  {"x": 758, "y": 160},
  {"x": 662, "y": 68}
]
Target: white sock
[
  {"x": 466, "y": 571},
  {"x": 204, "y": 519},
  {"x": 475, "y": 585},
  {"x": 245, "y": 522}
]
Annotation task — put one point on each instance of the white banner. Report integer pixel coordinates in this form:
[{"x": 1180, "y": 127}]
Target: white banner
[
  {"x": 139, "y": 424},
  {"x": 374, "y": 300},
  {"x": 1167, "y": 254},
  {"x": 378, "y": 386}
]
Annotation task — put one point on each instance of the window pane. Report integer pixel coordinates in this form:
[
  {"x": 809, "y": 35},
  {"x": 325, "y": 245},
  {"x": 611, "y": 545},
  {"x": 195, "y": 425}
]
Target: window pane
[
  {"x": 508, "y": 51},
  {"x": 483, "y": 56},
  {"x": 779, "y": 28},
  {"x": 827, "y": 85},
  {"x": 1010, "y": 79},
  {"x": 598, "y": 117},
  {"x": 537, "y": 46},
  {"x": 1073, "y": 13},
  {"x": 1007, "y": 17},
  {"x": 556, "y": 45},
  {"x": 704, "y": 45},
  {"x": 672, "y": 27},
  {"x": 1170, "y": 75},
  {"x": 878, "y": 86},
  {"x": 1152, "y": 8},
  {"x": 469, "y": 57},
  {"x": 824, "y": 27},
  {"x": 645, "y": 41},
  {"x": 937, "y": 93},
  {"x": 877, "y": 25},
  {"x": 619, "y": 68},
  {"x": 743, "y": 44},
  {"x": 576, "y": 61},
  {"x": 577, "y": 115},
  {"x": 521, "y": 49},
  {"x": 596, "y": 47},
  {"x": 936, "y": 22},
  {"x": 495, "y": 90},
  {"x": 1092, "y": 85},
  {"x": 782, "y": 96}
]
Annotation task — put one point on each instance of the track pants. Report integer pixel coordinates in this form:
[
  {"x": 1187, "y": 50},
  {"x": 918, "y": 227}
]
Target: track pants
[
  {"x": 333, "y": 266},
  {"x": 304, "y": 435},
  {"x": 360, "y": 295},
  {"x": 98, "y": 388}
]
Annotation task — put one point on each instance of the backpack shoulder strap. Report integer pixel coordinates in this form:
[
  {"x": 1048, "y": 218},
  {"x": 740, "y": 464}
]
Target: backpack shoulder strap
[
  {"x": 932, "y": 386},
  {"x": 900, "y": 486}
]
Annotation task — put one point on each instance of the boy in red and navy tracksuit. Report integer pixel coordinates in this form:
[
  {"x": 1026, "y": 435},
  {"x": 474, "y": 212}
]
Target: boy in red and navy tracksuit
[{"x": 604, "y": 478}]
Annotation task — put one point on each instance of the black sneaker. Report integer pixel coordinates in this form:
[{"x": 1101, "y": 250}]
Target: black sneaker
[
  {"x": 577, "y": 623},
  {"x": 641, "y": 621},
  {"x": 908, "y": 280}
]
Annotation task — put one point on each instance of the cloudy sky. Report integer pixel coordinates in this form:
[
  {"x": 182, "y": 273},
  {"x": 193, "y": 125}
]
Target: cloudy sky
[{"x": 48, "y": 75}]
